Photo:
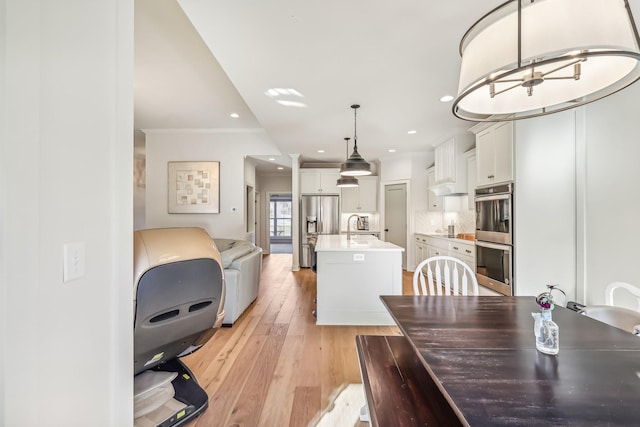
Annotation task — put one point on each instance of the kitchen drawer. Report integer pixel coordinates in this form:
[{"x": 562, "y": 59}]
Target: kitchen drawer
[
  {"x": 460, "y": 250},
  {"x": 438, "y": 243},
  {"x": 420, "y": 238}
]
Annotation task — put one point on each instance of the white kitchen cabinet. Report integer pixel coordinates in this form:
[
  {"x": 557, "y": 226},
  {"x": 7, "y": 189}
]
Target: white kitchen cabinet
[
  {"x": 472, "y": 178},
  {"x": 363, "y": 198},
  {"x": 434, "y": 202},
  {"x": 450, "y": 166},
  {"x": 319, "y": 181},
  {"x": 494, "y": 154},
  {"x": 466, "y": 252},
  {"x": 420, "y": 248},
  {"x": 437, "y": 246},
  {"x": 445, "y": 162}
]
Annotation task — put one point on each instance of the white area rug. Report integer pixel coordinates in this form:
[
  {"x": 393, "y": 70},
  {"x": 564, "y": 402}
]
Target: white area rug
[{"x": 345, "y": 411}]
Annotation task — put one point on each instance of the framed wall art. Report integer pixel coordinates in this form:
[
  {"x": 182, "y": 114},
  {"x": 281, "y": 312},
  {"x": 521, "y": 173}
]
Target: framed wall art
[{"x": 194, "y": 187}]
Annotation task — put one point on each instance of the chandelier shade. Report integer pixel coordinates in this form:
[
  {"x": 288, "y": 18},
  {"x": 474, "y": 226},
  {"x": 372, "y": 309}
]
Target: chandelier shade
[
  {"x": 347, "y": 181},
  {"x": 355, "y": 164},
  {"x": 526, "y": 59}
]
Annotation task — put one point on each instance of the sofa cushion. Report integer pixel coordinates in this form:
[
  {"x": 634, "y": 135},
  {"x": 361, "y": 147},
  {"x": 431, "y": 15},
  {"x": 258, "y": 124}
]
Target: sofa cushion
[
  {"x": 225, "y": 244},
  {"x": 240, "y": 249}
]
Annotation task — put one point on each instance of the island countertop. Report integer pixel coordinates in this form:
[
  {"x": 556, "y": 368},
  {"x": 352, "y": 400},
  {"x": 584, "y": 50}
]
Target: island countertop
[{"x": 339, "y": 242}]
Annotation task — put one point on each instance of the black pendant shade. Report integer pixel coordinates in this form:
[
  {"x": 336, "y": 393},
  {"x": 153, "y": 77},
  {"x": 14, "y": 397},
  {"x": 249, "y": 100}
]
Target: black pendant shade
[
  {"x": 355, "y": 164},
  {"x": 347, "y": 181}
]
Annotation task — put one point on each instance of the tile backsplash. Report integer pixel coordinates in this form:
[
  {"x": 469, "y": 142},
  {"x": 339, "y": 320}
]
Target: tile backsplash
[{"x": 435, "y": 222}]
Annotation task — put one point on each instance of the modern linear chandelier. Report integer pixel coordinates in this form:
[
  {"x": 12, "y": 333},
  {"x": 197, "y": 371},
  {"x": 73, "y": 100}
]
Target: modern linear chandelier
[
  {"x": 529, "y": 58},
  {"x": 347, "y": 181},
  {"x": 355, "y": 164}
]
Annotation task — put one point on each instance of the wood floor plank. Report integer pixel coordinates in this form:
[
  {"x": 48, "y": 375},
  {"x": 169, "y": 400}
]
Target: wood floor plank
[
  {"x": 306, "y": 406},
  {"x": 226, "y": 400},
  {"x": 279, "y": 398},
  {"x": 275, "y": 366},
  {"x": 251, "y": 401},
  {"x": 214, "y": 367}
]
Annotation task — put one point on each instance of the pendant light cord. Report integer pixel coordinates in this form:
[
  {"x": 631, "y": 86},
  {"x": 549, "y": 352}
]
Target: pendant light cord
[{"x": 355, "y": 126}]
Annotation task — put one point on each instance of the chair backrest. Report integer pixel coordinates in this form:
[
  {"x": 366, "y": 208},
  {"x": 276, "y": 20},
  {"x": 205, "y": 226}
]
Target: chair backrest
[
  {"x": 444, "y": 275},
  {"x": 612, "y": 287}
]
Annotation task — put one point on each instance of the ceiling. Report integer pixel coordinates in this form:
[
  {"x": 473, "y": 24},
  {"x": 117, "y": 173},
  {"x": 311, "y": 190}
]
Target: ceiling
[{"x": 198, "y": 61}]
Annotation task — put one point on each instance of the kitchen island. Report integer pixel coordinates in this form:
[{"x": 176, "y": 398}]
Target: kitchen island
[{"x": 351, "y": 276}]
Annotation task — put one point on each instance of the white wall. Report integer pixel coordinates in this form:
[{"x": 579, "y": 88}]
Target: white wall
[
  {"x": 229, "y": 148},
  {"x": 612, "y": 192},
  {"x": 577, "y": 198},
  {"x": 545, "y": 204},
  {"x": 65, "y": 176}
]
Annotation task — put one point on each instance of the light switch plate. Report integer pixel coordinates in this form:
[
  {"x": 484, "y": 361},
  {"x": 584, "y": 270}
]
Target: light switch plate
[{"x": 73, "y": 264}]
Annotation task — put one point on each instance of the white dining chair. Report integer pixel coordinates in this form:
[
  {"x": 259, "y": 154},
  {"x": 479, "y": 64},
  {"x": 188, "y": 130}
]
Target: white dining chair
[
  {"x": 615, "y": 315},
  {"x": 619, "y": 317},
  {"x": 621, "y": 286},
  {"x": 444, "y": 275}
]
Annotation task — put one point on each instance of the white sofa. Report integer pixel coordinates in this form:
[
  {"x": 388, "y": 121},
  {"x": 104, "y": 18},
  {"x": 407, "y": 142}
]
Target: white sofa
[{"x": 242, "y": 262}]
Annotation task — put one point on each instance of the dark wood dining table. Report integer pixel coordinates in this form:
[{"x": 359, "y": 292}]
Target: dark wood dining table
[{"x": 481, "y": 353}]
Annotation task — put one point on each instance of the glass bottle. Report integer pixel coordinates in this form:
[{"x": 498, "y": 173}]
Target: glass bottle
[{"x": 547, "y": 333}]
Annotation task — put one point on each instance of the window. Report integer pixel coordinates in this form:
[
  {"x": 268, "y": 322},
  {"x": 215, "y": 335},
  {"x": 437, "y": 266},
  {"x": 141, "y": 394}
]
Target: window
[{"x": 280, "y": 218}]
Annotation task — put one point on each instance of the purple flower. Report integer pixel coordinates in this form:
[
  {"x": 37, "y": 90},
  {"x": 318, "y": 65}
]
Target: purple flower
[{"x": 545, "y": 299}]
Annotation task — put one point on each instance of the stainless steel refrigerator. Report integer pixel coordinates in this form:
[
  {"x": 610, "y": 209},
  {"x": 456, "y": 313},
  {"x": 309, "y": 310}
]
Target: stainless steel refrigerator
[{"x": 318, "y": 215}]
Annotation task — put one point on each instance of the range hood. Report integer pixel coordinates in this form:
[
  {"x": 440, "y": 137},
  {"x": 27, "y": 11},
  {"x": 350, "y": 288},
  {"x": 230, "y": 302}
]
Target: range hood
[{"x": 449, "y": 189}]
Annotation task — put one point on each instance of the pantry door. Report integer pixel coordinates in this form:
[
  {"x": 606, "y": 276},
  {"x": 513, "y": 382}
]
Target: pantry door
[{"x": 395, "y": 217}]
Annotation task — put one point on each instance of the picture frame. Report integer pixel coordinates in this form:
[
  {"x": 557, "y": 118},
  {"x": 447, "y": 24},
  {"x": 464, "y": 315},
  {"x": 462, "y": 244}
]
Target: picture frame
[{"x": 194, "y": 187}]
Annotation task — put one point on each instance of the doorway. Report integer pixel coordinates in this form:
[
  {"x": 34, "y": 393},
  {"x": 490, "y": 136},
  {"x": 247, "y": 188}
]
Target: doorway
[
  {"x": 395, "y": 217},
  {"x": 280, "y": 224}
]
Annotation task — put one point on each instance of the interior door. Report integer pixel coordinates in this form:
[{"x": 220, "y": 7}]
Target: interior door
[{"x": 395, "y": 217}]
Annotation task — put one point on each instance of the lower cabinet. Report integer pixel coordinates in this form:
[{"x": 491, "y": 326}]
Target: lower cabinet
[
  {"x": 420, "y": 248},
  {"x": 429, "y": 246}
]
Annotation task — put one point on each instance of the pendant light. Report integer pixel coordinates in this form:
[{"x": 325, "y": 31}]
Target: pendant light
[
  {"x": 347, "y": 181},
  {"x": 530, "y": 58},
  {"x": 355, "y": 164}
]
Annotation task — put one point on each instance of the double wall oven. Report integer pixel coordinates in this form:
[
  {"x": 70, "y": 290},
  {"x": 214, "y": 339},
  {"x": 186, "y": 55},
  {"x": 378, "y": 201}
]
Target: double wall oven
[{"x": 494, "y": 237}]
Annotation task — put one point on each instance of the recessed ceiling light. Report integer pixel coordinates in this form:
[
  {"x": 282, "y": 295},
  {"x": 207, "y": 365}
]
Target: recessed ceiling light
[
  {"x": 288, "y": 103},
  {"x": 280, "y": 168},
  {"x": 320, "y": 151},
  {"x": 446, "y": 98},
  {"x": 272, "y": 159},
  {"x": 411, "y": 132},
  {"x": 234, "y": 115},
  {"x": 392, "y": 150}
]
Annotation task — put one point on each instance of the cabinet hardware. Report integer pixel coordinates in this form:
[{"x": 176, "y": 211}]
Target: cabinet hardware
[
  {"x": 491, "y": 176},
  {"x": 456, "y": 248},
  {"x": 467, "y": 251}
]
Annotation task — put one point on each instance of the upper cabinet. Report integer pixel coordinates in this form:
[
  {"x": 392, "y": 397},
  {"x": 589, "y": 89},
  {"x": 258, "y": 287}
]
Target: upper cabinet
[
  {"x": 319, "y": 181},
  {"x": 472, "y": 177},
  {"x": 494, "y": 154},
  {"x": 363, "y": 198},
  {"x": 435, "y": 202},
  {"x": 451, "y": 167}
]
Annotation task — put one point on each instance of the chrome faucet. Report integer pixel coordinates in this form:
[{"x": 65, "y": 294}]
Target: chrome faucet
[{"x": 349, "y": 225}]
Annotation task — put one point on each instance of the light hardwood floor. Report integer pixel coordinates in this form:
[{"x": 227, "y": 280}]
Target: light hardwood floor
[{"x": 275, "y": 367}]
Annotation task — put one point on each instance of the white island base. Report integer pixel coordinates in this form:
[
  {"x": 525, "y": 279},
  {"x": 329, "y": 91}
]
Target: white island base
[{"x": 351, "y": 277}]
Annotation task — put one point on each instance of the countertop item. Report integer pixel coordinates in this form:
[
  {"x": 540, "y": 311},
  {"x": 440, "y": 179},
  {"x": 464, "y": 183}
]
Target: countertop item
[
  {"x": 482, "y": 351},
  {"x": 362, "y": 242}
]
